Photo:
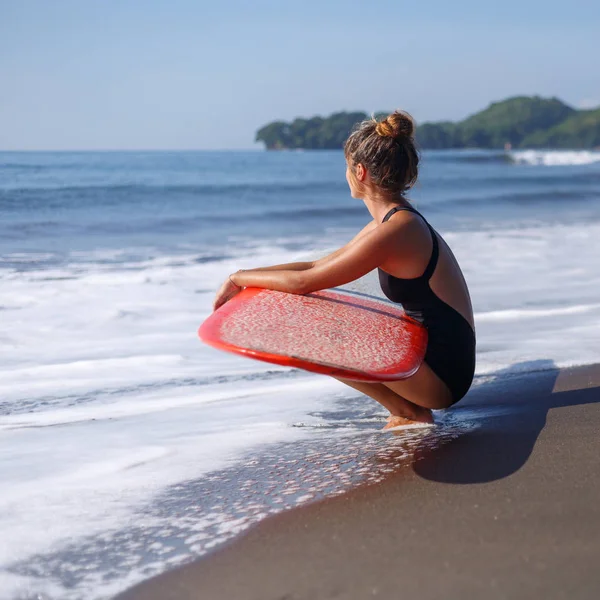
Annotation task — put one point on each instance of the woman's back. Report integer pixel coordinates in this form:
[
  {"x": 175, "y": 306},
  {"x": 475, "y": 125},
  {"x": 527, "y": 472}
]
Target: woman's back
[{"x": 426, "y": 277}]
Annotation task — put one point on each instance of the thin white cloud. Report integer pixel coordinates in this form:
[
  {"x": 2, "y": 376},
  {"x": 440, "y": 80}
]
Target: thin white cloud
[{"x": 588, "y": 103}]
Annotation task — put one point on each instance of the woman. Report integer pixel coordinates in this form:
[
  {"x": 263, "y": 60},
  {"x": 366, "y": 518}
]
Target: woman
[{"x": 416, "y": 268}]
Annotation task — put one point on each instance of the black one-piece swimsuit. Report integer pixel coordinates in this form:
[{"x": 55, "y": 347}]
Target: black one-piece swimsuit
[{"x": 451, "y": 340}]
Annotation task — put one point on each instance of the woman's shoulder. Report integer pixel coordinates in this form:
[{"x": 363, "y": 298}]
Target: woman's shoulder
[{"x": 410, "y": 221}]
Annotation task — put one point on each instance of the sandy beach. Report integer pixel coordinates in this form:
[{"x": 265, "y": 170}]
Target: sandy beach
[{"x": 507, "y": 510}]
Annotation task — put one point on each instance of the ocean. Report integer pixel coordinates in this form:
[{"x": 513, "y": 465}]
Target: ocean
[{"x": 127, "y": 447}]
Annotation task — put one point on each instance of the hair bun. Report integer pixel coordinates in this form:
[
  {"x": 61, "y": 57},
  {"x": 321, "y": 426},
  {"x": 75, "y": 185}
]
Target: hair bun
[{"x": 397, "y": 125}]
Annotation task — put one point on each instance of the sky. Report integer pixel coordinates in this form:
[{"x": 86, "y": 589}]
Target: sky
[{"x": 189, "y": 74}]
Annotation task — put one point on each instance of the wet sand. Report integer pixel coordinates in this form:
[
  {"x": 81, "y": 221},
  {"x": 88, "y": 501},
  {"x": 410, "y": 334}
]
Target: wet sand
[{"x": 508, "y": 510}]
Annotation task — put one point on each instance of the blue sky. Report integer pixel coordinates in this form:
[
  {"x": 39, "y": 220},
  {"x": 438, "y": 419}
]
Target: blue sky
[{"x": 125, "y": 74}]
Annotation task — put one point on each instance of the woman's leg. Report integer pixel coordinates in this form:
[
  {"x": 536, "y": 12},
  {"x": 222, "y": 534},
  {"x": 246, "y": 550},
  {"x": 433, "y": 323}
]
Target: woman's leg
[
  {"x": 424, "y": 389},
  {"x": 408, "y": 400},
  {"x": 399, "y": 407}
]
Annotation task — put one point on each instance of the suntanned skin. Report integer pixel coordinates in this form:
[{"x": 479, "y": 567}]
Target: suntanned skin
[{"x": 402, "y": 247}]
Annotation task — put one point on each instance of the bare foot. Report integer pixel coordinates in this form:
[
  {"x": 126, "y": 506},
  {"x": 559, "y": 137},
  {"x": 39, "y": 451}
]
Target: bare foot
[{"x": 394, "y": 421}]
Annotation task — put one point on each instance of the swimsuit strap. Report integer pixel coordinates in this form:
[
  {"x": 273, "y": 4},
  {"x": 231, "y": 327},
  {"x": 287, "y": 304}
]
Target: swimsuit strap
[{"x": 435, "y": 251}]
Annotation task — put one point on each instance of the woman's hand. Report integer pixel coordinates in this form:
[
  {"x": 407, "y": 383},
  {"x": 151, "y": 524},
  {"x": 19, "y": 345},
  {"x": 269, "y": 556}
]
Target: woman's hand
[{"x": 226, "y": 292}]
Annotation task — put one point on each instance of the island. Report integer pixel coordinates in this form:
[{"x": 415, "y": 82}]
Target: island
[{"x": 518, "y": 122}]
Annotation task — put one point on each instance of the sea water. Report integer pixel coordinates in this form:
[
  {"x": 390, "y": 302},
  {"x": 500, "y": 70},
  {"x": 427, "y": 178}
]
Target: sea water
[{"x": 127, "y": 446}]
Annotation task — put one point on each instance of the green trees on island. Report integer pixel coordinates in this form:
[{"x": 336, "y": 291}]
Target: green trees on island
[
  {"x": 580, "y": 130},
  {"x": 318, "y": 133},
  {"x": 522, "y": 122}
]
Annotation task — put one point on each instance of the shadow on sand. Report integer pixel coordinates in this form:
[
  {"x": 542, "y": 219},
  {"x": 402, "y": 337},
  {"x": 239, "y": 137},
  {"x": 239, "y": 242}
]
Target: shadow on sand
[{"x": 508, "y": 413}]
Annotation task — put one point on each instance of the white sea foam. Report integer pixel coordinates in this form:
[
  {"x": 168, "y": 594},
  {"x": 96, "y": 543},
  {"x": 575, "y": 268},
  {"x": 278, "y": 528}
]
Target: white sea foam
[
  {"x": 535, "y": 293},
  {"x": 554, "y": 158},
  {"x": 525, "y": 314}
]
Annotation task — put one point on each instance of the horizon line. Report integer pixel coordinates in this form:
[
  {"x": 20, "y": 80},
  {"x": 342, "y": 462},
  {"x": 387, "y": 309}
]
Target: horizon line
[{"x": 23, "y": 150}]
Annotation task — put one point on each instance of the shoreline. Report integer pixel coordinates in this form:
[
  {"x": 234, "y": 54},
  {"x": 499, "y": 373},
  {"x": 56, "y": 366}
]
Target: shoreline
[{"x": 507, "y": 509}]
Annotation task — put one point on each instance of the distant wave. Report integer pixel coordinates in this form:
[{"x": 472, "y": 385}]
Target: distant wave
[
  {"x": 16, "y": 195},
  {"x": 22, "y": 166},
  {"x": 555, "y": 158},
  {"x": 548, "y": 158},
  {"x": 306, "y": 212},
  {"x": 38, "y": 166},
  {"x": 527, "y": 313},
  {"x": 520, "y": 179},
  {"x": 186, "y": 188},
  {"x": 522, "y": 198},
  {"x": 174, "y": 224},
  {"x": 468, "y": 156}
]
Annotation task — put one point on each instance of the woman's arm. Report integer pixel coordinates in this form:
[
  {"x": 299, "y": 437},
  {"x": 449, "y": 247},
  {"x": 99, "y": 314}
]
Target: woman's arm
[
  {"x": 286, "y": 277},
  {"x": 303, "y": 266},
  {"x": 298, "y": 266},
  {"x": 357, "y": 258}
]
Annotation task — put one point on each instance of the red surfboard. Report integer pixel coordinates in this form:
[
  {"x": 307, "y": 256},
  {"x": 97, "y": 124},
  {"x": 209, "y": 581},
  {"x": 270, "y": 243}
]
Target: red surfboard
[{"x": 344, "y": 334}]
